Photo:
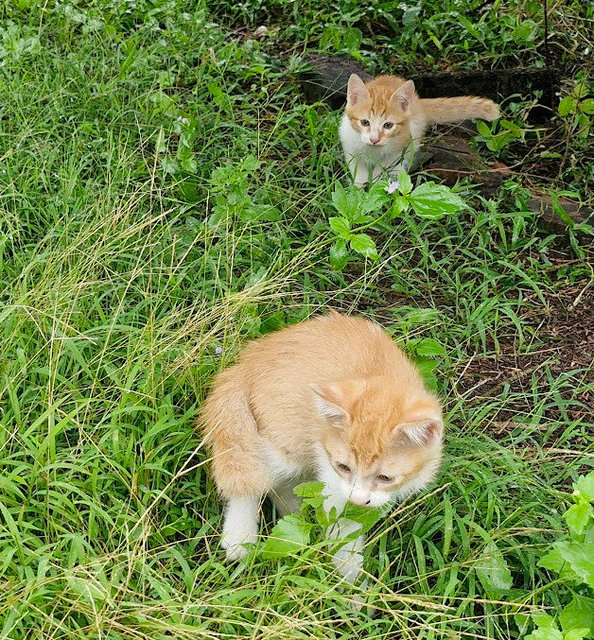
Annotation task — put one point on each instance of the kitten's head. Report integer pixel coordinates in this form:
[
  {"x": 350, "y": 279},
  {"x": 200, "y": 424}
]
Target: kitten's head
[
  {"x": 378, "y": 112},
  {"x": 379, "y": 443}
]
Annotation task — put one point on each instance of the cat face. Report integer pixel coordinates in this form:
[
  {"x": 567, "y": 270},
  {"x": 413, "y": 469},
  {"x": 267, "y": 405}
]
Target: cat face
[
  {"x": 380, "y": 444},
  {"x": 379, "y": 113}
]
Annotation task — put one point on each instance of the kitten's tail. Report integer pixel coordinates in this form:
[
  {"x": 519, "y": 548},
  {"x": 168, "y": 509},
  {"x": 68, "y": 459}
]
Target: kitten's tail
[
  {"x": 230, "y": 429},
  {"x": 452, "y": 110}
]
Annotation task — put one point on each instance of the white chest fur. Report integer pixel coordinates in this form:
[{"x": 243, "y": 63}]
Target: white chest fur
[
  {"x": 279, "y": 467},
  {"x": 390, "y": 157}
]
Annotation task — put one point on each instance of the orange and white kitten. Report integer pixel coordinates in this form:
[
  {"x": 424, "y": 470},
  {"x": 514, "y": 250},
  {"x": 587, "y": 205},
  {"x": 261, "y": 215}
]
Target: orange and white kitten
[
  {"x": 385, "y": 120},
  {"x": 333, "y": 399}
]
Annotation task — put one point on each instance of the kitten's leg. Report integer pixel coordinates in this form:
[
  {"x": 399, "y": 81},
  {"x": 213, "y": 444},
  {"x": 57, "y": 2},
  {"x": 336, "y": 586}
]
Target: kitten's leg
[
  {"x": 349, "y": 558},
  {"x": 241, "y": 525},
  {"x": 284, "y": 500},
  {"x": 377, "y": 173},
  {"x": 359, "y": 171}
]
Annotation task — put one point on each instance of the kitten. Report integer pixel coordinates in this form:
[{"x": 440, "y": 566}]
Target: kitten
[
  {"x": 385, "y": 120},
  {"x": 333, "y": 399}
]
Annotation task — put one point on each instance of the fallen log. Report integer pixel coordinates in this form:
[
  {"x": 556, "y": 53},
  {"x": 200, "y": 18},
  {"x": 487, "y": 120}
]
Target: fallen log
[{"x": 325, "y": 79}]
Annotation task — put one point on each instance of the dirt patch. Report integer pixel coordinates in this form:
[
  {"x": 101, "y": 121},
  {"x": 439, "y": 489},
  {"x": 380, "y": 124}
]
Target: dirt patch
[{"x": 565, "y": 329}]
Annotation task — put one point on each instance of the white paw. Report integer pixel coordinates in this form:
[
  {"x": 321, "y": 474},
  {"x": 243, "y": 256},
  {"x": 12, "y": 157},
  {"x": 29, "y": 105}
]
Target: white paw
[
  {"x": 233, "y": 543},
  {"x": 349, "y": 564},
  {"x": 357, "y": 601}
]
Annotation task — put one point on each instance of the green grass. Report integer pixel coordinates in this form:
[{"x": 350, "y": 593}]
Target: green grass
[{"x": 137, "y": 236}]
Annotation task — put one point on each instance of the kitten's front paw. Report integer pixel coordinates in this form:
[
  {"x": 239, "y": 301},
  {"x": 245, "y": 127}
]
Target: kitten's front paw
[
  {"x": 358, "y": 601},
  {"x": 233, "y": 543},
  {"x": 349, "y": 564},
  {"x": 360, "y": 183}
]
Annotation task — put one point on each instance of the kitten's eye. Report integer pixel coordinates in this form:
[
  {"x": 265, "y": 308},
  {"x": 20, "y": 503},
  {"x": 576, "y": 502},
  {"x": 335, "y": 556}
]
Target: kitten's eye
[
  {"x": 388, "y": 125},
  {"x": 343, "y": 467},
  {"x": 382, "y": 478},
  {"x": 364, "y": 123}
]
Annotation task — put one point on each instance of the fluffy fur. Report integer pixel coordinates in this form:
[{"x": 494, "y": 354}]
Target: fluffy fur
[
  {"x": 385, "y": 120},
  {"x": 334, "y": 399}
]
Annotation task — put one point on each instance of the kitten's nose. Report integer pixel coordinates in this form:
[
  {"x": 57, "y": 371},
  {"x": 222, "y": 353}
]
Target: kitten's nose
[
  {"x": 374, "y": 139},
  {"x": 360, "y": 501}
]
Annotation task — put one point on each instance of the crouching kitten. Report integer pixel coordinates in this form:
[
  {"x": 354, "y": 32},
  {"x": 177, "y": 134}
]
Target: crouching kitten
[
  {"x": 332, "y": 399},
  {"x": 385, "y": 120}
]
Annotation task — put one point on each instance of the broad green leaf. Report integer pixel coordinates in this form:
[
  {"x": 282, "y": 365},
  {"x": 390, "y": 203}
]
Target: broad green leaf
[
  {"x": 525, "y": 32},
  {"x": 567, "y": 106},
  {"x": 587, "y": 106},
  {"x": 289, "y": 535},
  {"x": 512, "y": 127},
  {"x": 363, "y": 244},
  {"x": 578, "y": 614},
  {"x": 492, "y": 569},
  {"x": 311, "y": 493},
  {"x": 398, "y": 205},
  {"x": 585, "y": 486},
  {"x": 260, "y": 213},
  {"x": 365, "y": 516},
  {"x": 577, "y": 516},
  {"x": 251, "y": 163},
  {"x": 367, "y": 202},
  {"x": 543, "y": 620},
  {"x": 576, "y": 634},
  {"x": 352, "y": 38},
  {"x": 580, "y": 557},
  {"x": 169, "y": 165},
  {"x": 427, "y": 367},
  {"x": 552, "y": 561},
  {"x": 404, "y": 183},
  {"x": 340, "y": 226},
  {"x": 483, "y": 129},
  {"x": 430, "y": 200},
  {"x": 309, "y": 489},
  {"x": 339, "y": 254},
  {"x": 429, "y": 348},
  {"x": 339, "y": 199},
  {"x": 410, "y": 15}
]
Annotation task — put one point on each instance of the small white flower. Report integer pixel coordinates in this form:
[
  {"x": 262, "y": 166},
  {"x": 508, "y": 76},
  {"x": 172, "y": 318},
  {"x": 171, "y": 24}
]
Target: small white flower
[{"x": 393, "y": 186}]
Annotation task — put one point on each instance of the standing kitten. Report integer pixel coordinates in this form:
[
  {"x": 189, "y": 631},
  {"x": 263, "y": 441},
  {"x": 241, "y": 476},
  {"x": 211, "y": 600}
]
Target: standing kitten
[
  {"x": 333, "y": 399},
  {"x": 385, "y": 120}
]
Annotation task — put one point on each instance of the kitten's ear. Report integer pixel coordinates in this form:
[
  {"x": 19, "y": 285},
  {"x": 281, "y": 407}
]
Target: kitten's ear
[
  {"x": 334, "y": 400},
  {"x": 356, "y": 90},
  {"x": 422, "y": 432},
  {"x": 404, "y": 95}
]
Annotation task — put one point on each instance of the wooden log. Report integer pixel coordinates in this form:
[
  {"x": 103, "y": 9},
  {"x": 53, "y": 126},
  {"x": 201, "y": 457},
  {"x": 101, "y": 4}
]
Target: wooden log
[
  {"x": 550, "y": 220},
  {"x": 326, "y": 77}
]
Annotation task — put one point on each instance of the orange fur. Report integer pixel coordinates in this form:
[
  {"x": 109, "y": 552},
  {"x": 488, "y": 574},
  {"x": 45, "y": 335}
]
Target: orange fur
[
  {"x": 385, "y": 120},
  {"x": 267, "y": 395},
  {"x": 332, "y": 398},
  {"x": 451, "y": 110}
]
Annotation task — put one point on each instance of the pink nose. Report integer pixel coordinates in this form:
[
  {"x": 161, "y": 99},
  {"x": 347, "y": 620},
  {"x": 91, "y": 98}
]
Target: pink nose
[{"x": 374, "y": 139}]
